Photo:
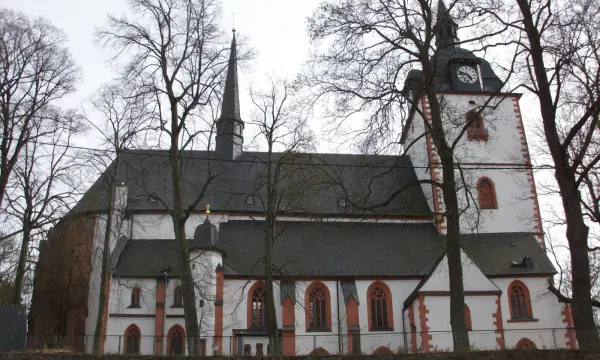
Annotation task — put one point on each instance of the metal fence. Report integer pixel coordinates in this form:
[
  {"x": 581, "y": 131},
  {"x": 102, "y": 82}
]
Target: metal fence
[{"x": 248, "y": 343}]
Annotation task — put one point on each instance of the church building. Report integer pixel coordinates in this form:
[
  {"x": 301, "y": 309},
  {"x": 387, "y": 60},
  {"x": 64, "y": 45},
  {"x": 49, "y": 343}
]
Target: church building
[{"x": 348, "y": 280}]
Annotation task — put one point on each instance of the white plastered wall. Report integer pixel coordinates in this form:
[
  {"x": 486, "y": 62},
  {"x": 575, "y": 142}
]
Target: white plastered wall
[
  {"x": 548, "y": 330},
  {"x": 500, "y": 158}
]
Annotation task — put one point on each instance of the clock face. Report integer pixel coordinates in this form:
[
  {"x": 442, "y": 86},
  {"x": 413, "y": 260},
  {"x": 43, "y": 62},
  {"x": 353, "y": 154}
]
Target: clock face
[{"x": 466, "y": 74}]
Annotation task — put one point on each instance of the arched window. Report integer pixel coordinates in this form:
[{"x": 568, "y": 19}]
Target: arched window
[
  {"x": 475, "y": 126},
  {"x": 468, "y": 322},
  {"x": 487, "y": 194},
  {"x": 132, "y": 339},
  {"x": 525, "y": 344},
  {"x": 520, "y": 302},
  {"x": 257, "y": 306},
  {"x": 176, "y": 341},
  {"x": 135, "y": 298},
  {"x": 379, "y": 303},
  {"x": 177, "y": 297},
  {"x": 318, "y": 307}
]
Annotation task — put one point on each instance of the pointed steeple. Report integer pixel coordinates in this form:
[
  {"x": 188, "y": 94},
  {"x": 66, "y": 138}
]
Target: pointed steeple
[
  {"x": 445, "y": 27},
  {"x": 230, "y": 127},
  {"x": 231, "y": 96}
]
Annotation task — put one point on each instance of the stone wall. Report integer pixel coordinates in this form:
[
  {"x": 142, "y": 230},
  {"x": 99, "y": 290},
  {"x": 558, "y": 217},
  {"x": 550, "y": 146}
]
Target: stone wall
[
  {"x": 488, "y": 355},
  {"x": 61, "y": 282}
]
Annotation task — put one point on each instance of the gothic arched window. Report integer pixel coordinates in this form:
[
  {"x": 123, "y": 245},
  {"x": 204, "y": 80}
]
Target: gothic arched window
[
  {"x": 135, "y": 297},
  {"x": 177, "y": 297},
  {"x": 176, "y": 341},
  {"x": 520, "y": 302},
  {"x": 379, "y": 306},
  {"x": 257, "y": 306},
  {"x": 525, "y": 344},
  {"x": 475, "y": 126},
  {"x": 132, "y": 339},
  {"x": 486, "y": 194},
  {"x": 318, "y": 308}
]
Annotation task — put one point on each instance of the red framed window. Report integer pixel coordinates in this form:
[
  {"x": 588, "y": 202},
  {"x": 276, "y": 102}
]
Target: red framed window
[
  {"x": 178, "y": 297},
  {"x": 520, "y": 301},
  {"x": 379, "y": 305},
  {"x": 475, "y": 126},
  {"x": 258, "y": 307},
  {"x": 176, "y": 341},
  {"x": 486, "y": 193},
  {"x": 133, "y": 337},
  {"x": 317, "y": 302},
  {"x": 525, "y": 344},
  {"x": 135, "y": 298},
  {"x": 317, "y": 308}
]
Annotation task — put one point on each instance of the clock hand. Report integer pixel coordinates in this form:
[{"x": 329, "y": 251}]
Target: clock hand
[{"x": 464, "y": 73}]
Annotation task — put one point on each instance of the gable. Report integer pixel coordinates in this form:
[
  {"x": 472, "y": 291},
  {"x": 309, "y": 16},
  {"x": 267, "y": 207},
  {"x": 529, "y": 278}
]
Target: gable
[{"x": 473, "y": 278}]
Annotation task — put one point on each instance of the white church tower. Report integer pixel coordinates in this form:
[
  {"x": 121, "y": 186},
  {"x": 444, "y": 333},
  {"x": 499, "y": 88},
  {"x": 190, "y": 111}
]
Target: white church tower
[{"x": 500, "y": 194}]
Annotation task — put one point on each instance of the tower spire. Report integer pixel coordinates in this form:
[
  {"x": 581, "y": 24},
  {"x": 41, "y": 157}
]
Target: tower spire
[
  {"x": 231, "y": 97},
  {"x": 445, "y": 27},
  {"x": 229, "y": 140}
]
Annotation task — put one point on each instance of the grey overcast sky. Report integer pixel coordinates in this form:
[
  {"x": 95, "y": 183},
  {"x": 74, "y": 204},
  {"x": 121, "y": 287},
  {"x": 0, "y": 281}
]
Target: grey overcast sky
[{"x": 276, "y": 29}]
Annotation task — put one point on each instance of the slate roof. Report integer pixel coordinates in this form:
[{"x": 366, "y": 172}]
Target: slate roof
[
  {"x": 314, "y": 183},
  {"x": 230, "y": 108},
  {"x": 342, "y": 249}
]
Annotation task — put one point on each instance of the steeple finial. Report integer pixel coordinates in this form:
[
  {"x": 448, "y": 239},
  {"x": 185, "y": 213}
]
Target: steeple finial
[{"x": 445, "y": 27}]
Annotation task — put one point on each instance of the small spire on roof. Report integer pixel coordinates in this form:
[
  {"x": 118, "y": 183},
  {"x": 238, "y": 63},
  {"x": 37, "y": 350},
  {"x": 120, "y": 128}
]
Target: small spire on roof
[
  {"x": 207, "y": 209},
  {"x": 445, "y": 28}
]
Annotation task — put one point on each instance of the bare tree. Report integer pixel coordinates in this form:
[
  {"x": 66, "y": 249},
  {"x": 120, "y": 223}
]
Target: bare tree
[
  {"x": 562, "y": 57},
  {"x": 36, "y": 70},
  {"x": 175, "y": 56},
  {"x": 44, "y": 187},
  {"x": 371, "y": 46},
  {"x": 124, "y": 121},
  {"x": 280, "y": 181}
]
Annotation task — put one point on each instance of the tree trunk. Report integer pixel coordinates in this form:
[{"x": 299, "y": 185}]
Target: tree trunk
[
  {"x": 271, "y": 309},
  {"x": 577, "y": 236},
  {"x": 16, "y": 296},
  {"x": 3, "y": 183},
  {"x": 183, "y": 256},
  {"x": 577, "y": 230},
  {"x": 104, "y": 276},
  {"x": 457, "y": 296},
  {"x": 187, "y": 284}
]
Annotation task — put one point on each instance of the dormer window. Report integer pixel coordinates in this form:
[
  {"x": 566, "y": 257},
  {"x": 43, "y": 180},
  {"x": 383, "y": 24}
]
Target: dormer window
[
  {"x": 475, "y": 126},
  {"x": 250, "y": 200},
  {"x": 152, "y": 198},
  {"x": 342, "y": 203}
]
